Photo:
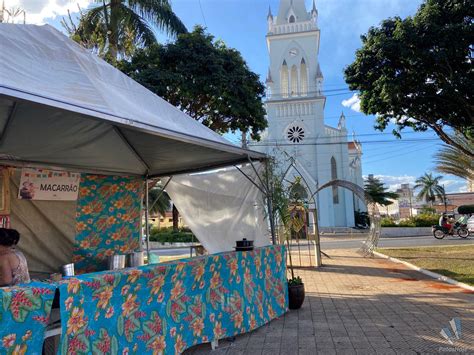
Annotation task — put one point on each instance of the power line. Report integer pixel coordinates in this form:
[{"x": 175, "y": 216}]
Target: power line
[
  {"x": 334, "y": 143},
  {"x": 398, "y": 155},
  {"x": 202, "y": 13}
]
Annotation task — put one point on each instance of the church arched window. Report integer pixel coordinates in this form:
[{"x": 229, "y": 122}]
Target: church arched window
[
  {"x": 284, "y": 80},
  {"x": 294, "y": 81},
  {"x": 335, "y": 190},
  {"x": 291, "y": 19},
  {"x": 304, "y": 78}
]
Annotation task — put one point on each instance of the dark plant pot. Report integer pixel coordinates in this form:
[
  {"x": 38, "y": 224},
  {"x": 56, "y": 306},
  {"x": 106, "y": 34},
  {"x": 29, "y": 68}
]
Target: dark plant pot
[{"x": 296, "y": 296}]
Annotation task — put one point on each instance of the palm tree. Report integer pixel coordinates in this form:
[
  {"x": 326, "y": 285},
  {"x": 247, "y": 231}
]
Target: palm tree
[
  {"x": 451, "y": 160},
  {"x": 378, "y": 192},
  {"x": 430, "y": 188},
  {"x": 159, "y": 201},
  {"x": 117, "y": 27}
]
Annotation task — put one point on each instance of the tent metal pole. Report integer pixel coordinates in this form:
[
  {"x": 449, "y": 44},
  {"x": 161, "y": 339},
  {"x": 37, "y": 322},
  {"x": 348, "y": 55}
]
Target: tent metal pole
[
  {"x": 8, "y": 122},
  {"x": 161, "y": 193},
  {"x": 131, "y": 147},
  {"x": 250, "y": 179},
  {"x": 147, "y": 229},
  {"x": 270, "y": 206},
  {"x": 256, "y": 173}
]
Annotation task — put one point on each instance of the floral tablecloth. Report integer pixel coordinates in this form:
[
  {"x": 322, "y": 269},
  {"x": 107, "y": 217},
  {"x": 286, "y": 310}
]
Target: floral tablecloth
[
  {"x": 24, "y": 315},
  {"x": 167, "y": 308}
]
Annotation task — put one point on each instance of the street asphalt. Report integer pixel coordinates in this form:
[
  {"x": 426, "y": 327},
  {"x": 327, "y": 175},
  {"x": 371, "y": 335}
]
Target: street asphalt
[
  {"x": 345, "y": 242},
  {"x": 394, "y": 242}
]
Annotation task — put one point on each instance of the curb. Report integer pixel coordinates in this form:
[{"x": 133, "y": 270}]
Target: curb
[{"x": 432, "y": 274}]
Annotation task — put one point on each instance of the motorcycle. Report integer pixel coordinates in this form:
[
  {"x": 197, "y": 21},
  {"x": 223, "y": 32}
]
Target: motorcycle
[{"x": 439, "y": 232}]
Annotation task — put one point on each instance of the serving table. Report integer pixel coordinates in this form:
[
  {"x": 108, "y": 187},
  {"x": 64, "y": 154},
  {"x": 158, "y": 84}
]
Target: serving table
[{"x": 162, "y": 308}]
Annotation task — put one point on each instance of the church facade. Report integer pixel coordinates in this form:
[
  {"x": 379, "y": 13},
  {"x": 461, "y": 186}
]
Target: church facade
[{"x": 295, "y": 112}]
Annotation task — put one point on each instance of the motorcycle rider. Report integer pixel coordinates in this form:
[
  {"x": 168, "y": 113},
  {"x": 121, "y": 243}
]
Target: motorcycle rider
[{"x": 446, "y": 222}]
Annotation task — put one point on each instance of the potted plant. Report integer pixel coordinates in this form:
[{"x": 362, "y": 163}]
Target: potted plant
[
  {"x": 285, "y": 204},
  {"x": 295, "y": 292}
]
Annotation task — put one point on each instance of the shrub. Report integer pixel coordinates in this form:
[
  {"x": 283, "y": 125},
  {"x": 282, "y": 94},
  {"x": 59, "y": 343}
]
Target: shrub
[
  {"x": 407, "y": 223},
  {"x": 425, "y": 220},
  {"x": 421, "y": 220},
  {"x": 388, "y": 222},
  {"x": 167, "y": 235}
]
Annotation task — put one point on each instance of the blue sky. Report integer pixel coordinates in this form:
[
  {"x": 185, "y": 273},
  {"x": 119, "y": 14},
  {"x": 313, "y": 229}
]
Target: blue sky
[{"x": 242, "y": 25}]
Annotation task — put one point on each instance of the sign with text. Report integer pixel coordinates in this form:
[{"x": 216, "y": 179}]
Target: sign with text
[{"x": 42, "y": 184}]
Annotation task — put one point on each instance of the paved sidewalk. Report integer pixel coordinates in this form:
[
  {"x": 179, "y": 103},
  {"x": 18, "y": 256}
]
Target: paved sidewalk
[{"x": 356, "y": 305}]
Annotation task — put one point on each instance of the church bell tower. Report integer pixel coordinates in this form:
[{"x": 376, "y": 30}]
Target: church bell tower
[
  {"x": 295, "y": 102},
  {"x": 295, "y": 111}
]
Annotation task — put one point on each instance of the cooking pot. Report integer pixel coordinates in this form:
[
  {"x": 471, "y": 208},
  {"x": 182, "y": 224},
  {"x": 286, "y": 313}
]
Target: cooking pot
[
  {"x": 67, "y": 270},
  {"x": 116, "y": 262},
  {"x": 244, "y": 244},
  {"x": 135, "y": 259}
]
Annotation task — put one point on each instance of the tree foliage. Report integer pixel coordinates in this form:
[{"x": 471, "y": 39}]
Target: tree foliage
[
  {"x": 159, "y": 201},
  {"x": 204, "y": 78},
  {"x": 430, "y": 189},
  {"x": 376, "y": 189},
  {"x": 418, "y": 72},
  {"x": 451, "y": 160},
  {"x": 115, "y": 28}
]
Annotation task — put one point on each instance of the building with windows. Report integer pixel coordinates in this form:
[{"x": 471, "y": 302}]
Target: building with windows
[{"x": 295, "y": 112}]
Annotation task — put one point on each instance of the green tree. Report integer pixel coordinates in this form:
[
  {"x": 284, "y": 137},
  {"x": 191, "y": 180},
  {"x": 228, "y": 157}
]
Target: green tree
[
  {"x": 418, "y": 71},
  {"x": 430, "y": 189},
  {"x": 115, "y": 28},
  {"x": 375, "y": 189},
  {"x": 451, "y": 160},
  {"x": 159, "y": 201},
  {"x": 204, "y": 78}
]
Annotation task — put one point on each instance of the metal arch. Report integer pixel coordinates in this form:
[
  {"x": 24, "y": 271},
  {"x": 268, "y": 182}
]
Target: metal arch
[
  {"x": 311, "y": 199},
  {"x": 375, "y": 220}
]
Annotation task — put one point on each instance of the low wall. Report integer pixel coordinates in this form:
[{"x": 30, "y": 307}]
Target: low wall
[
  {"x": 388, "y": 232},
  {"x": 158, "y": 245}
]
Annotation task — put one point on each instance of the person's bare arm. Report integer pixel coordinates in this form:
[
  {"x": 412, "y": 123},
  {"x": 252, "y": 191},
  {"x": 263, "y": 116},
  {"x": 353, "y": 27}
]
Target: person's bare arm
[{"x": 5, "y": 272}]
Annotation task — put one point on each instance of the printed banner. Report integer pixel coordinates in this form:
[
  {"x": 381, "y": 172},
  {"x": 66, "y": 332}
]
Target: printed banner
[{"x": 42, "y": 184}]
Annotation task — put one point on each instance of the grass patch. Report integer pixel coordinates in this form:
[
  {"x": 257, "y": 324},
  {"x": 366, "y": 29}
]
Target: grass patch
[{"x": 456, "y": 262}]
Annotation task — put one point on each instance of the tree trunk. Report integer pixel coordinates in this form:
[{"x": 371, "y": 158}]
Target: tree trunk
[
  {"x": 244, "y": 140},
  {"x": 175, "y": 219},
  {"x": 113, "y": 29}
]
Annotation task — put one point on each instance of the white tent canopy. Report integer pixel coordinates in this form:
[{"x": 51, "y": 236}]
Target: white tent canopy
[
  {"x": 222, "y": 207},
  {"x": 61, "y": 106}
]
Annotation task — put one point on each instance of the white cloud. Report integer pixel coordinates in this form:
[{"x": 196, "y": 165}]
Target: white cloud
[
  {"x": 40, "y": 11},
  {"x": 353, "y": 103}
]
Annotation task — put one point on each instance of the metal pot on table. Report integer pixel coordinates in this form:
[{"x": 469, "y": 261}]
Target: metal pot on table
[
  {"x": 116, "y": 262},
  {"x": 135, "y": 259},
  {"x": 67, "y": 270},
  {"x": 244, "y": 245}
]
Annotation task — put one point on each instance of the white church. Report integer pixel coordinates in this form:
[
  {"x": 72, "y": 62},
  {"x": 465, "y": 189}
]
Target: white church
[{"x": 295, "y": 112}]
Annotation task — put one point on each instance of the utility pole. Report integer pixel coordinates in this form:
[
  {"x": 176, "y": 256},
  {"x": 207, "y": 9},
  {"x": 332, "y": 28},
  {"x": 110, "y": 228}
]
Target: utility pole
[
  {"x": 445, "y": 202},
  {"x": 409, "y": 196}
]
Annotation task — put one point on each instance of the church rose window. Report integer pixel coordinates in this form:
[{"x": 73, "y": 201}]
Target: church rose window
[{"x": 295, "y": 134}]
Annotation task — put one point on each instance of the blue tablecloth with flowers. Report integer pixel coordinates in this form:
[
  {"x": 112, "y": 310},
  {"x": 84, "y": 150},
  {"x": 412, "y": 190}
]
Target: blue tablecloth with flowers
[
  {"x": 24, "y": 315},
  {"x": 166, "y": 308}
]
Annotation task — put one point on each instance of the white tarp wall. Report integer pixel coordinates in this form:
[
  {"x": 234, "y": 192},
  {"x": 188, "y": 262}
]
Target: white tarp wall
[
  {"x": 47, "y": 229},
  {"x": 221, "y": 207}
]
